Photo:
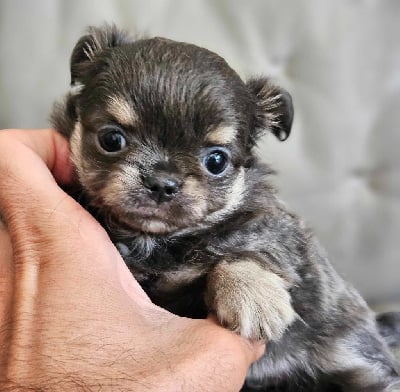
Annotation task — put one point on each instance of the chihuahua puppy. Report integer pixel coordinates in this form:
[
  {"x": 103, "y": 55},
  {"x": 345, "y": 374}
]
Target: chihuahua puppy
[{"x": 162, "y": 135}]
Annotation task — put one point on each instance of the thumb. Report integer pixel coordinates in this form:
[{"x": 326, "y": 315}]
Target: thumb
[
  {"x": 31, "y": 161},
  {"x": 31, "y": 202}
]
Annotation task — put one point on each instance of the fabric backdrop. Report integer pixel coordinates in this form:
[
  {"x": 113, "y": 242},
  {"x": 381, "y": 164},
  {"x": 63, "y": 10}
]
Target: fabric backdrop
[{"x": 340, "y": 169}]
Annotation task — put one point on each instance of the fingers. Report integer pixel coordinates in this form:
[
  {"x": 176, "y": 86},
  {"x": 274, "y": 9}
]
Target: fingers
[
  {"x": 252, "y": 350},
  {"x": 48, "y": 145},
  {"x": 29, "y": 163},
  {"x": 30, "y": 200},
  {"x": 217, "y": 346},
  {"x": 37, "y": 211},
  {"x": 239, "y": 353}
]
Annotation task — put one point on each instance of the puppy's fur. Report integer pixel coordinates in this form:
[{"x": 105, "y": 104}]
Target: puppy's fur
[{"x": 213, "y": 242}]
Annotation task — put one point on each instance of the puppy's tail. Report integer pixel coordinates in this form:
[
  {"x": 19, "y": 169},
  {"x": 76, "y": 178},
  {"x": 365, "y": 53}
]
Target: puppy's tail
[{"x": 389, "y": 328}]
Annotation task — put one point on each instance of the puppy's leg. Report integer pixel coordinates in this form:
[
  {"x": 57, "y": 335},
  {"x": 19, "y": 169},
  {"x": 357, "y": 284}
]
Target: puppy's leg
[{"x": 249, "y": 299}]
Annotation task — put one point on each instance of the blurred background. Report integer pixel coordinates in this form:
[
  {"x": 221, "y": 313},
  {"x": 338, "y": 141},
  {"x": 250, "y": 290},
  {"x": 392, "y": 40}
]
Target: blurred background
[{"x": 340, "y": 60}]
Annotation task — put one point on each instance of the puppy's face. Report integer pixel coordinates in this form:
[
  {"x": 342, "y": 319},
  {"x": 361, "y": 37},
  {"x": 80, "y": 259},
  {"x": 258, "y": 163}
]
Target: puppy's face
[{"x": 163, "y": 131}]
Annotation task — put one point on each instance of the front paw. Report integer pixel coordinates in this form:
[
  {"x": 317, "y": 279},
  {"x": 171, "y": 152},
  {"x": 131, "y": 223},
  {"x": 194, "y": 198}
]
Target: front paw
[{"x": 250, "y": 300}]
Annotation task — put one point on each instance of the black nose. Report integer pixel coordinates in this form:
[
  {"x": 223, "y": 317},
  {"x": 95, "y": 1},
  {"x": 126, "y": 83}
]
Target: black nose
[{"x": 162, "y": 187}]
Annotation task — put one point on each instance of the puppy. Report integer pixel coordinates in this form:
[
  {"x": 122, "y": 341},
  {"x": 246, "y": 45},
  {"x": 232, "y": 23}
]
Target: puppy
[{"x": 162, "y": 135}]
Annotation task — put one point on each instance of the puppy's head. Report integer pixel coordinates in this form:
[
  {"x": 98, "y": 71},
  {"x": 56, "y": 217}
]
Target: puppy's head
[{"x": 162, "y": 132}]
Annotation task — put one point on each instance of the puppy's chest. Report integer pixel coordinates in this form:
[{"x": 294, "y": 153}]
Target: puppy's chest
[
  {"x": 173, "y": 273},
  {"x": 167, "y": 265}
]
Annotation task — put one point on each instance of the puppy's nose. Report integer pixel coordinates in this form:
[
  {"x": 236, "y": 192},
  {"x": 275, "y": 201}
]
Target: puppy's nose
[{"x": 162, "y": 187}]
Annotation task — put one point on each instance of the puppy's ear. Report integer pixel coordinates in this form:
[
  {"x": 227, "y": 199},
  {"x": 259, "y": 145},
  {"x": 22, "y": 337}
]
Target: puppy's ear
[
  {"x": 274, "y": 108},
  {"x": 91, "y": 45},
  {"x": 98, "y": 39}
]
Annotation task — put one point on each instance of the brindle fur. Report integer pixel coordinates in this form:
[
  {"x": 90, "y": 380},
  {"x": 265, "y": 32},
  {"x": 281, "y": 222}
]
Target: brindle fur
[{"x": 190, "y": 254}]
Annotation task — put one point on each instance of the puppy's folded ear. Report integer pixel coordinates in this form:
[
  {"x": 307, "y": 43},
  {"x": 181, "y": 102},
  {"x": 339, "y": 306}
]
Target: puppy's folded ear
[
  {"x": 274, "y": 108},
  {"x": 98, "y": 39},
  {"x": 91, "y": 45}
]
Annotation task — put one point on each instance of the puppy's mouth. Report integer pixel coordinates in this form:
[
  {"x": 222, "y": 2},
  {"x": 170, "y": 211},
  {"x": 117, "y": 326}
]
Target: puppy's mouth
[{"x": 145, "y": 218}]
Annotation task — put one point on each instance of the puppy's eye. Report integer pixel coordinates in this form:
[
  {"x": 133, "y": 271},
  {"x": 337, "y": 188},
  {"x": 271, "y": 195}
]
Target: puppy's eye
[
  {"x": 111, "y": 139},
  {"x": 216, "y": 161}
]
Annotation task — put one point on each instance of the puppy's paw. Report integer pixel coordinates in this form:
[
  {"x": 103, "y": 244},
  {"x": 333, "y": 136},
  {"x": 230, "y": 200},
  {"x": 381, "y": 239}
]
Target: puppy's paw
[{"x": 249, "y": 300}]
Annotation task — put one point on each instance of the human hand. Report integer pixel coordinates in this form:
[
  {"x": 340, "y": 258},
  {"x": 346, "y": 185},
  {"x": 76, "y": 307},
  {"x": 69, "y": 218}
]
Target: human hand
[{"x": 72, "y": 317}]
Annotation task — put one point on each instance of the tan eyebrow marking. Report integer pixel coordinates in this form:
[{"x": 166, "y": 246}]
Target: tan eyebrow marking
[
  {"x": 222, "y": 135},
  {"x": 121, "y": 110}
]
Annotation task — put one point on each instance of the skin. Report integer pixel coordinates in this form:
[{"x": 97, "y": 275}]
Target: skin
[{"x": 72, "y": 317}]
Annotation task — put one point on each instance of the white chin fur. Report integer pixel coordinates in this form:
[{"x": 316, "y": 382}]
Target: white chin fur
[{"x": 155, "y": 226}]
